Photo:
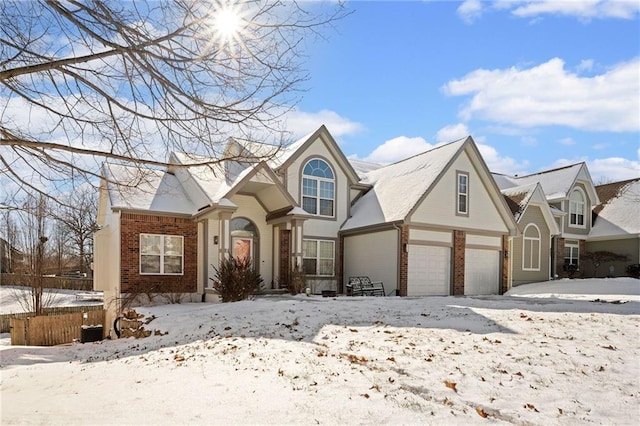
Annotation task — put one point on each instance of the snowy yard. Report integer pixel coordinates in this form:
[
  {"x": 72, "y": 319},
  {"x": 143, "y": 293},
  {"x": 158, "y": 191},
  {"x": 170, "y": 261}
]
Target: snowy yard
[{"x": 548, "y": 353}]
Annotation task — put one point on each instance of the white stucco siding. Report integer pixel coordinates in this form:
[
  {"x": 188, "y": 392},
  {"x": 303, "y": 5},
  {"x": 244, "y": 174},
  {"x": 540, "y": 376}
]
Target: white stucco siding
[
  {"x": 327, "y": 227},
  {"x": 248, "y": 207},
  {"x": 374, "y": 255},
  {"x": 213, "y": 230},
  {"x": 439, "y": 206}
]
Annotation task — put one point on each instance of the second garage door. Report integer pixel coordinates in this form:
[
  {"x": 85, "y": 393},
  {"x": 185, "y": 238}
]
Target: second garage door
[
  {"x": 481, "y": 271},
  {"x": 429, "y": 271}
]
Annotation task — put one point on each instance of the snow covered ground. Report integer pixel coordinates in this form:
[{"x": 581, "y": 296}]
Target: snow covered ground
[{"x": 547, "y": 353}]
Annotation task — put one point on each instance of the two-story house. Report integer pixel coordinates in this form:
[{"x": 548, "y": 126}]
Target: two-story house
[{"x": 435, "y": 223}]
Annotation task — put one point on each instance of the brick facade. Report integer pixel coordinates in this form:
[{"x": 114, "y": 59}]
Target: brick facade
[
  {"x": 285, "y": 257},
  {"x": 560, "y": 256},
  {"x": 132, "y": 225},
  {"x": 504, "y": 285},
  {"x": 404, "y": 260},
  {"x": 459, "y": 247}
]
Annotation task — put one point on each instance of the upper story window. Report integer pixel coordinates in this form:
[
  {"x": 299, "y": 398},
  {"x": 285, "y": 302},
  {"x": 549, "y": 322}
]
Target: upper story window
[
  {"x": 531, "y": 248},
  {"x": 462, "y": 198},
  {"x": 576, "y": 209},
  {"x": 161, "y": 254},
  {"x": 318, "y": 188}
]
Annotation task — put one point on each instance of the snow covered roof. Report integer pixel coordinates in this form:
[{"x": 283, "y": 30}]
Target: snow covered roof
[
  {"x": 363, "y": 167},
  {"x": 556, "y": 183},
  {"x": 518, "y": 197},
  {"x": 215, "y": 179},
  {"x": 617, "y": 215},
  {"x": 384, "y": 203},
  {"x": 135, "y": 188}
]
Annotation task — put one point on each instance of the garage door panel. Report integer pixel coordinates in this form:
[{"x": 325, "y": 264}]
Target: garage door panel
[
  {"x": 481, "y": 272},
  {"x": 428, "y": 270}
]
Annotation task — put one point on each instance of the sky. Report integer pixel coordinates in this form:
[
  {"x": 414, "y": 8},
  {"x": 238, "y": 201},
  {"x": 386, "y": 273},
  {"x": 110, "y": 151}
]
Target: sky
[
  {"x": 551, "y": 354},
  {"x": 537, "y": 84}
]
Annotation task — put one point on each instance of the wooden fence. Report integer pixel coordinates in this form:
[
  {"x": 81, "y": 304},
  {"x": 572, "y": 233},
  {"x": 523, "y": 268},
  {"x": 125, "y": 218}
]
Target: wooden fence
[
  {"x": 65, "y": 283},
  {"x": 5, "y": 325},
  {"x": 52, "y": 330}
]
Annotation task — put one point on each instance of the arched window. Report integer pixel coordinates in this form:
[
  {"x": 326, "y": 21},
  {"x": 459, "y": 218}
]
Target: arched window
[
  {"x": 531, "y": 248},
  {"x": 576, "y": 209},
  {"x": 244, "y": 239},
  {"x": 318, "y": 188}
]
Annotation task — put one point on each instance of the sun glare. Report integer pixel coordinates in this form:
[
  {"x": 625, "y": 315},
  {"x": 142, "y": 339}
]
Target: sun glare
[{"x": 227, "y": 22}]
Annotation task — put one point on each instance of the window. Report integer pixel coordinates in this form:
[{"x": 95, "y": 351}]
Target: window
[
  {"x": 576, "y": 209},
  {"x": 463, "y": 194},
  {"x": 317, "y": 257},
  {"x": 571, "y": 254},
  {"x": 244, "y": 239},
  {"x": 531, "y": 248},
  {"x": 161, "y": 254},
  {"x": 318, "y": 188}
]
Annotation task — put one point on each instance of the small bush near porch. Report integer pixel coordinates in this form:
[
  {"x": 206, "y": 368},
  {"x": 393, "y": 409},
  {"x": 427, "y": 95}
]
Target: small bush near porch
[{"x": 236, "y": 279}]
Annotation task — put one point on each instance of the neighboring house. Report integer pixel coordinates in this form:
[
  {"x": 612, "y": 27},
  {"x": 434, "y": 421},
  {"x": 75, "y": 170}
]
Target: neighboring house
[
  {"x": 530, "y": 252},
  {"x": 616, "y": 227},
  {"x": 11, "y": 259},
  {"x": 435, "y": 223}
]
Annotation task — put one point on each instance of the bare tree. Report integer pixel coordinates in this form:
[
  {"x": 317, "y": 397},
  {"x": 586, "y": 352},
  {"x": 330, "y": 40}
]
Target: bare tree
[
  {"x": 78, "y": 219},
  {"x": 85, "y": 81},
  {"x": 35, "y": 226}
]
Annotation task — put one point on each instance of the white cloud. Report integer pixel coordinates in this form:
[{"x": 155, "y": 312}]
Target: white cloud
[
  {"x": 585, "y": 65},
  {"x": 452, "y": 132},
  {"x": 470, "y": 10},
  {"x": 501, "y": 164},
  {"x": 584, "y": 9},
  {"x": 567, "y": 141},
  {"x": 299, "y": 123},
  {"x": 548, "y": 94},
  {"x": 397, "y": 149}
]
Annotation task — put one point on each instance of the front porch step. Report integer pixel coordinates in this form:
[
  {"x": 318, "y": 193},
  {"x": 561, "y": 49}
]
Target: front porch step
[{"x": 272, "y": 291}]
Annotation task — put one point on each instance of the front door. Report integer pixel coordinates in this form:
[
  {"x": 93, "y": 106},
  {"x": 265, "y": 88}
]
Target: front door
[{"x": 242, "y": 248}]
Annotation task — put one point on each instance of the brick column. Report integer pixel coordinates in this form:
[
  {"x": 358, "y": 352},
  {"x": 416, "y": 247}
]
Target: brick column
[
  {"x": 505, "y": 264},
  {"x": 404, "y": 260},
  {"x": 340, "y": 266},
  {"x": 285, "y": 256},
  {"x": 560, "y": 257},
  {"x": 459, "y": 242}
]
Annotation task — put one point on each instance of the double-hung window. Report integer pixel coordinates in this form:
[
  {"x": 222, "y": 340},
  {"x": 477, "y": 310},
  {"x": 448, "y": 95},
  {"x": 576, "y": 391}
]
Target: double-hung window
[
  {"x": 576, "y": 209},
  {"x": 318, "y": 257},
  {"x": 571, "y": 254},
  {"x": 161, "y": 254},
  {"x": 462, "y": 198},
  {"x": 318, "y": 188}
]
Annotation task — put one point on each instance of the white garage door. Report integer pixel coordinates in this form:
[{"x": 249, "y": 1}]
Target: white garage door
[
  {"x": 481, "y": 271},
  {"x": 428, "y": 271}
]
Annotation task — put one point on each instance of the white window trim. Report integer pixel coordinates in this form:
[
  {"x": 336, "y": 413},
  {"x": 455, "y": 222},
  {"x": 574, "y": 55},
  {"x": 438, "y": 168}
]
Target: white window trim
[
  {"x": 525, "y": 239},
  {"x": 318, "y": 258},
  {"x": 459, "y": 212},
  {"x": 577, "y": 247},
  {"x": 584, "y": 209},
  {"x": 318, "y": 179},
  {"x": 162, "y": 254}
]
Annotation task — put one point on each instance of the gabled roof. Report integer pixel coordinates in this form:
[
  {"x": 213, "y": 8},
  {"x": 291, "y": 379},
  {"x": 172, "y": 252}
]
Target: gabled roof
[
  {"x": 519, "y": 198},
  {"x": 363, "y": 167},
  {"x": 293, "y": 151},
  {"x": 385, "y": 202},
  {"x": 556, "y": 183},
  {"x": 133, "y": 188},
  {"x": 617, "y": 215}
]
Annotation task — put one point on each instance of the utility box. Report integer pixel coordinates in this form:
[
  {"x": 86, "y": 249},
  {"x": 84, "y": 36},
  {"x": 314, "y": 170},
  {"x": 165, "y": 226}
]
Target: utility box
[{"x": 91, "y": 333}]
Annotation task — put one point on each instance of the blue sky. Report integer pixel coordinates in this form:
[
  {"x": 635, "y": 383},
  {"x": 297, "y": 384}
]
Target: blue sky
[{"x": 538, "y": 84}]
